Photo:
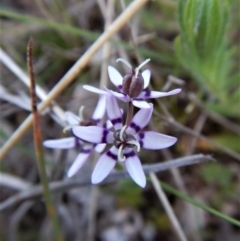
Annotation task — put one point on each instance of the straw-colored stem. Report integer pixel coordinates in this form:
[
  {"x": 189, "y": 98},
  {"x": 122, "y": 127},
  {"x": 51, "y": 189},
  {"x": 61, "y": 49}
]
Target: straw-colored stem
[{"x": 75, "y": 70}]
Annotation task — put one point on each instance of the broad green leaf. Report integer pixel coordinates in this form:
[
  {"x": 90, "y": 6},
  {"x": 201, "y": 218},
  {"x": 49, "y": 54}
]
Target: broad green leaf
[{"x": 213, "y": 25}]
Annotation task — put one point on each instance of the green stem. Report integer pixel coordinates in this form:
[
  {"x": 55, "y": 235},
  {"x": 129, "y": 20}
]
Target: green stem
[
  {"x": 129, "y": 113},
  {"x": 46, "y": 191},
  {"x": 172, "y": 190}
]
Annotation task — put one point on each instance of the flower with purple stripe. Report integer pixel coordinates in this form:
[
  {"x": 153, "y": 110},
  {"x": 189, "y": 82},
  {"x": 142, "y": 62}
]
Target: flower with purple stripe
[
  {"x": 76, "y": 142},
  {"x": 133, "y": 86},
  {"x": 124, "y": 140}
]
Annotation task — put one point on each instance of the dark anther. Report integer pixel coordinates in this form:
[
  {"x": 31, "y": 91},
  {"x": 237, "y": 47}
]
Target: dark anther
[{"x": 132, "y": 84}]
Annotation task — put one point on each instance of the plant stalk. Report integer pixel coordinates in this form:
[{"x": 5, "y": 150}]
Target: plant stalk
[{"x": 39, "y": 150}]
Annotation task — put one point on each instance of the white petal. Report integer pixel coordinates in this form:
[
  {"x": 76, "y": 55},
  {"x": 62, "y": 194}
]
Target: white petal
[
  {"x": 100, "y": 147},
  {"x": 100, "y": 109},
  {"x": 134, "y": 168},
  {"x": 113, "y": 111},
  {"x": 121, "y": 96},
  {"x": 71, "y": 118},
  {"x": 153, "y": 140},
  {"x": 140, "y": 103},
  {"x": 115, "y": 77},
  {"x": 140, "y": 120},
  {"x": 104, "y": 166},
  {"x": 146, "y": 76},
  {"x": 156, "y": 94},
  {"x": 93, "y": 134},
  {"x": 94, "y": 89},
  {"x": 64, "y": 143},
  {"x": 79, "y": 161}
]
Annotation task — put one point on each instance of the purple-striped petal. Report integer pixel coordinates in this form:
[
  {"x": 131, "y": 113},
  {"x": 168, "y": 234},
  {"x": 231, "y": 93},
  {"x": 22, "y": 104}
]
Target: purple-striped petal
[
  {"x": 64, "y": 143},
  {"x": 93, "y": 134},
  {"x": 134, "y": 168},
  {"x": 100, "y": 147},
  {"x": 121, "y": 96},
  {"x": 146, "y": 94},
  {"x": 115, "y": 77},
  {"x": 104, "y": 166},
  {"x": 140, "y": 120},
  {"x": 94, "y": 89},
  {"x": 100, "y": 109},
  {"x": 153, "y": 140},
  {"x": 113, "y": 111},
  {"x": 146, "y": 74},
  {"x": 140, "y": 103},
  {"x": 79, "y": 161},
  {"x": 71, "y": 118},
  {"x": 108, "y": 124}
]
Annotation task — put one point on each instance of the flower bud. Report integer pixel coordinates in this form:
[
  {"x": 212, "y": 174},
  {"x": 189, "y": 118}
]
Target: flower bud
[{"x": 133, "y": 84}]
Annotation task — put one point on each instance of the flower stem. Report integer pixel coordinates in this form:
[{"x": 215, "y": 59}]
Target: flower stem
[{"x": 129, "y": 113}]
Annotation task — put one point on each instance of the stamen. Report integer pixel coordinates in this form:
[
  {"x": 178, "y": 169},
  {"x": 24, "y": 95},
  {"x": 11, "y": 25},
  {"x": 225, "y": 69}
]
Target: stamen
[
  {"x": 140, "y": 66},
  {"x": 125, "y": 62},
  {"x": 121, "y": 158},
  {"x": 81, "y": 113},
  {"x": 136, "y": 143},
  {"x": 121, "y": 132},
  {"x": 67, "y": 128}
]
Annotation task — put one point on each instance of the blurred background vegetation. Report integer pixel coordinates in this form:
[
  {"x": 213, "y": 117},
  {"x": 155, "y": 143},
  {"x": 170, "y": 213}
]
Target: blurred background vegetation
[{"x": 196, "y": 41}]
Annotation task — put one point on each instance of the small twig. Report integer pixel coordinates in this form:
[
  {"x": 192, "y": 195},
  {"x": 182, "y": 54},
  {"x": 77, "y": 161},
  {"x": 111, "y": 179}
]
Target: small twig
[
  {"x": 189, "y": 131},
  {"x": 215, "y": 116},
  {"x": 38, "y": 148},
  {"x": 172, "y": 80},
  {"x": 13, "y": 182},
  {"x": 11, "y": 65},
  {"x": 167, "y": 206},
  {"x": 36, "y": 191},
  {"x": 14, "y": 99},
  {"x": 74, "y": 71},
  {"x": 197, "y": 128},
  {"x": 16, "y": 218}
]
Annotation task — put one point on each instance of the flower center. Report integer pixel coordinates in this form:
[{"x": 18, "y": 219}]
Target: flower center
[
  {"x": 133, "y": 83},
  {"x": 124, "y": 140}
]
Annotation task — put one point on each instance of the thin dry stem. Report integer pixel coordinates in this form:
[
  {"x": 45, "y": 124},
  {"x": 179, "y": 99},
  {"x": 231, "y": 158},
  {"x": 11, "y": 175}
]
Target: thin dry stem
[
  {"x": 191, "y": 132},
  {"x": 167, "y": 207},
  {"x": 215, "y": 116},
  {"x": 11, "y": 65},
  {"x": 103, "y": 83},
  {"x": 36, "y": 191}
]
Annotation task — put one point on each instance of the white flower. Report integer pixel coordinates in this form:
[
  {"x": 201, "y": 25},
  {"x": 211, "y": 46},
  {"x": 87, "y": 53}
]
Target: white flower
[
  {"x": 74, "y": 141},
  {"x": 125, "y": 95},
  {"x": 123, "y": 140}
]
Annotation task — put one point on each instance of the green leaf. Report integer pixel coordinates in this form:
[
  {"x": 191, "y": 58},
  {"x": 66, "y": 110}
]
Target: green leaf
[
  {"x": 227, "y": 109},
  {"x": 213, "y": 26}
]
